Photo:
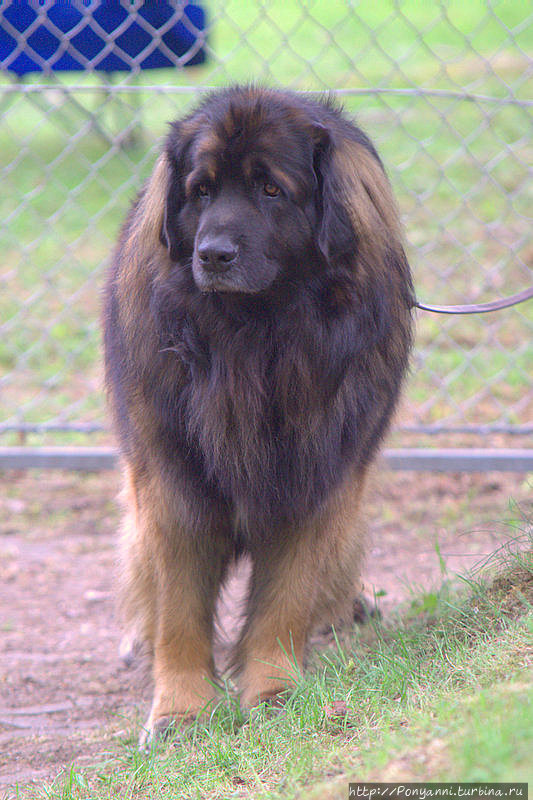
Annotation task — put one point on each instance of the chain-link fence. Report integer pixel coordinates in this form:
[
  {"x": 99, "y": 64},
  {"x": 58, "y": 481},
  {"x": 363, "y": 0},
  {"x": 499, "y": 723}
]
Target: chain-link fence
[{"x": 445, "y": 91}]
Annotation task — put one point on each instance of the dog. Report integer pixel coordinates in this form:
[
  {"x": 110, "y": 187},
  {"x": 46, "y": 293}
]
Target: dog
[{"x": 257, "y": 329}]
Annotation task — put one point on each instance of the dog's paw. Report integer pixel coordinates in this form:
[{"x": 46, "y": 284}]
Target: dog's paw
[
  {"x": 161, "y": 727},
  {"x": 129, "y": 648},
  {"x": 160, "y": 730},
  {"x": 272, "y": 698}
]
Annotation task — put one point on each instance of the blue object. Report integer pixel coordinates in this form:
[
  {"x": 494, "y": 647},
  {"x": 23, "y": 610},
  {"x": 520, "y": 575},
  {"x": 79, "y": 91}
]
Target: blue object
[{"x": 101, "y": 35}]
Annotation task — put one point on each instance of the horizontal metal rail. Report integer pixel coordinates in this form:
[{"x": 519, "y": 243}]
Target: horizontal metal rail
[
  {"x": 167, "y": 89},
  {"x": 93, "y": 459},
  {"x": 426, "y": 430},
  {"x": 460, "y": 459}
]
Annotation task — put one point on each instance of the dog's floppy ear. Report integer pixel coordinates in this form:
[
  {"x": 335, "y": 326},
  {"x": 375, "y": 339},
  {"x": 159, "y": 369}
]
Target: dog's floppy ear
[
  {"x": 176, "y": 145},
  {"x": 146, "y": 218},
  {"x": 173, "y": 203},
  {"x": 336, "y": 236},
  {"x": 358, "y": 213}
]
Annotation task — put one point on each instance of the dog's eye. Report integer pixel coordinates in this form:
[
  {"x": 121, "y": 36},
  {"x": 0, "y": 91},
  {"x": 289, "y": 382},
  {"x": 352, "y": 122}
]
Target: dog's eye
[
  {"x": 271, "y": 189},
  {"x": 202, "y": 190}
]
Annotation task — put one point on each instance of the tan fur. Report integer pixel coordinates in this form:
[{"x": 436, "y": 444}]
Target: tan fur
[
  {"x": 283, "y": 179},
  {"x": 208, "y": 146},
  {"x": 369, "y": 199},
  {"x": 310, "y": 580},
  {"x": 165, "y": 598},
  {"x": 142, "y": 245},
  {"x": 144, "y": 233},
  {"x": 368, "y": 196},
  {"x": 143, "y": 251}
]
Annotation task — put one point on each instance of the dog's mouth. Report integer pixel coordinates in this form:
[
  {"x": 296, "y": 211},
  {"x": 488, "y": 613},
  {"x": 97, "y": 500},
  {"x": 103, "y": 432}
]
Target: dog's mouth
[
  {"x": 221, "y": 284},
  {"x": 236, "y": 280}
]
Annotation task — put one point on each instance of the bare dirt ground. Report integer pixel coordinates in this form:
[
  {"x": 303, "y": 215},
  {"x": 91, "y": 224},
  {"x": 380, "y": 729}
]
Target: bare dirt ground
[{"x": 65, "y": 696}]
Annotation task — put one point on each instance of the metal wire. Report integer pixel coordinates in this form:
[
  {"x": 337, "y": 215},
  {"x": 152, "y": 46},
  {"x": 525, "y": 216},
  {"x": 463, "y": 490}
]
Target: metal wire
[
  {"x": 480, "y": 308},
  {"x": 446, "y": 98}
]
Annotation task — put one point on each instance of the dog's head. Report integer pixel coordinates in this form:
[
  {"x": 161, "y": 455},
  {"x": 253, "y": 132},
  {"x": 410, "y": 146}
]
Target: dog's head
[{"x": 266, "y": 186}]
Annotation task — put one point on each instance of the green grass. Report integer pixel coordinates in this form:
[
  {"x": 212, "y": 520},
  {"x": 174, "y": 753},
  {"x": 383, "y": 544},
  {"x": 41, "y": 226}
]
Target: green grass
[
  {"x": 458, "y": 169},
  {"x": 499, "y": 719},
  {"x": 442, "y": 692}
]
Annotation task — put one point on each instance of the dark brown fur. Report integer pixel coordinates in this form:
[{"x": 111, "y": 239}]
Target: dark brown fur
[{"x": 257, "y": 330}]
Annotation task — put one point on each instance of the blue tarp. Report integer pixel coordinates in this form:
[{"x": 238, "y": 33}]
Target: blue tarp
[{"x": 81, "y": 36}]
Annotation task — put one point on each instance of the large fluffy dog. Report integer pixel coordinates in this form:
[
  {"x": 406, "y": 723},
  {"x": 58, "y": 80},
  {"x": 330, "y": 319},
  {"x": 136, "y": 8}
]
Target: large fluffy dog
[{"x": 257, "y": 330}]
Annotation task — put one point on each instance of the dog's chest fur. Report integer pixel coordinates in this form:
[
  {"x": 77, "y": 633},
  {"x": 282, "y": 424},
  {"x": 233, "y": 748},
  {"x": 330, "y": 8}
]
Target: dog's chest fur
[{"x": 237, "y": 411}]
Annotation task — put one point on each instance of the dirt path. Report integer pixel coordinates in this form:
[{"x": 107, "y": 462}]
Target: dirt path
[{"x": 65, "y": 695}]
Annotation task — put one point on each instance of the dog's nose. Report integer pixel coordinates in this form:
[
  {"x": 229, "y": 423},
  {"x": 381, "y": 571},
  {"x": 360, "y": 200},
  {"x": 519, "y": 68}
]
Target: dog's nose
[{"x": 217, "y": 253}]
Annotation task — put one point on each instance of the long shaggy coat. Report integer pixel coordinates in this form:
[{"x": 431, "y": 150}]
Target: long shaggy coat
[{"x": 257, "y": 327}]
